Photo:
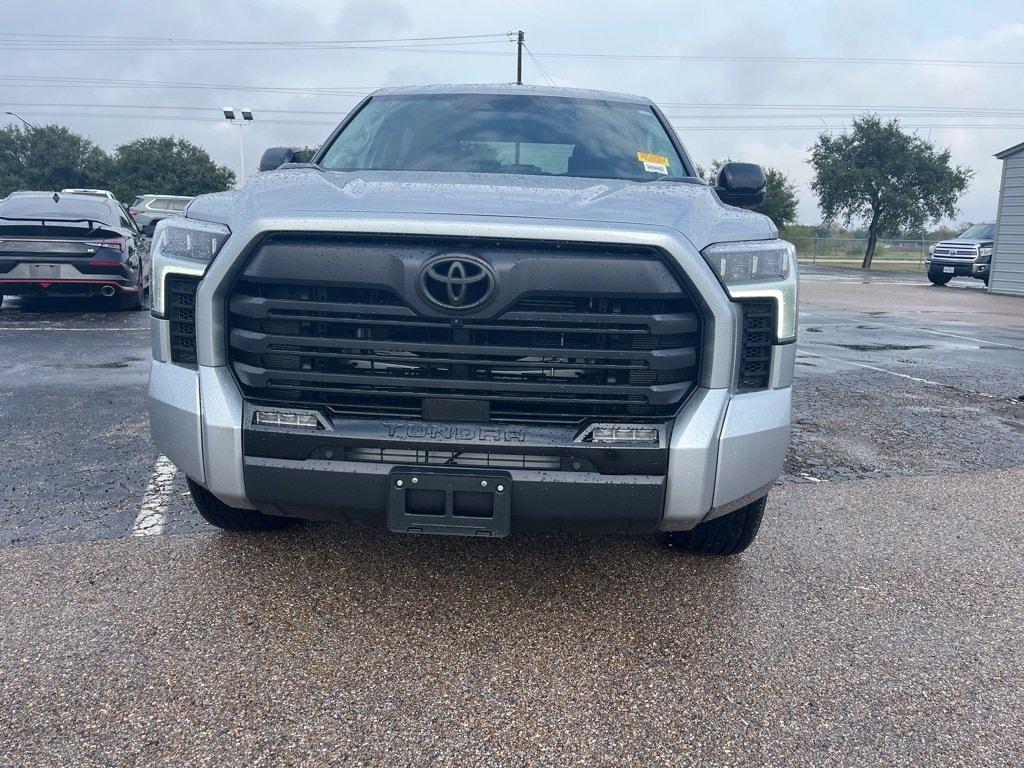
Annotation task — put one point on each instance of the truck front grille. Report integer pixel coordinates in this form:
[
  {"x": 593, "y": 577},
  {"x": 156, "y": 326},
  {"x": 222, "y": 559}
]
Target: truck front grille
[
  {"x": 964, "y": 253},
  {"x": 552, "y": 356}
]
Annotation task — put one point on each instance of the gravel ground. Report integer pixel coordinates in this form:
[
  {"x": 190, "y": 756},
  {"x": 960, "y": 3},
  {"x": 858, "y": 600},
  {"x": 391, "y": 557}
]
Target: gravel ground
[{"x": 853, "y": 633}]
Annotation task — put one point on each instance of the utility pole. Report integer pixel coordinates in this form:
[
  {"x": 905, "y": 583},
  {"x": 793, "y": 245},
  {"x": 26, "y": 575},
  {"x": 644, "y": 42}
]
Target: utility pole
[{"x": 520, "y": 41}]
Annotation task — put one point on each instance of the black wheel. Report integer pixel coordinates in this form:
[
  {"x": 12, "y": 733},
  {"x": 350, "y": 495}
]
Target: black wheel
[
  {"x": 132, "y": 301},
  {"x": 723, "y": 536},
  {"x": 216, "y": 512},
  {"x": 938, "y": 278}
]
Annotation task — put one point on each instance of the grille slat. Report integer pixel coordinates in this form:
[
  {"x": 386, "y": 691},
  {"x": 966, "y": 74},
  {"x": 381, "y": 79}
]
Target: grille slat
[
  {"x": 467, "y": 390},
  {"x": 256, "y": 341},
  {"x": 555, "y": 357}
]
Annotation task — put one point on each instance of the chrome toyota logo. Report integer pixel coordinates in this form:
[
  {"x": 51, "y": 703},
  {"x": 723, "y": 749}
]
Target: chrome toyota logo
[{"x": 457, "y": 281}]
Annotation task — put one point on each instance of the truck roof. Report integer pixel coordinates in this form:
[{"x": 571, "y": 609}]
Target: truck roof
[{"x": 517, "y": 90}]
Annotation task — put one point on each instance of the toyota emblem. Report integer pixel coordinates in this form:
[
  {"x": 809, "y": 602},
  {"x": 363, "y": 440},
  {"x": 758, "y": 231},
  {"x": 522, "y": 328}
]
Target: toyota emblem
[{"x": 457, "y": 282}]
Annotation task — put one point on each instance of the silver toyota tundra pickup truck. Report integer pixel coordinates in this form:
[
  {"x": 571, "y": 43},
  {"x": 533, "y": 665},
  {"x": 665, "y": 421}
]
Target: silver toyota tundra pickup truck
[{"x": 479, "y": 310}]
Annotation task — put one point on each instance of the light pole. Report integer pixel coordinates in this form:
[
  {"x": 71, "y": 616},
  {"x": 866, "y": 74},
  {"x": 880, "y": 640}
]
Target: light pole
[
  {"x": 244, "y": 116},
  {"x": 26, "y": 122}
]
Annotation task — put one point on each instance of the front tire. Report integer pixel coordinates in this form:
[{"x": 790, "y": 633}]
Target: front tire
[
  {"x": 216, "y": 512},
  {"x": 937, "y": 278},
  {"x": 723, "y": 536}
]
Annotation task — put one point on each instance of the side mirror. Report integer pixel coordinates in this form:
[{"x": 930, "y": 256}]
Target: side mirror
[
  {"x": 275, "y": 157},
  {"x": 741, "y": 184}
]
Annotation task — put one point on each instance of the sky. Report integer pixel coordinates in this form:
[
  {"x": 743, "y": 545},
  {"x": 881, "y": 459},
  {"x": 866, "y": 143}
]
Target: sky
[{"x": 141, "y": 75}]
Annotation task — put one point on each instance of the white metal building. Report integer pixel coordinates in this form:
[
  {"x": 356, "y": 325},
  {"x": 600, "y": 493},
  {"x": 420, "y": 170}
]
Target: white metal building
[{"x": 1007, "y": 274}]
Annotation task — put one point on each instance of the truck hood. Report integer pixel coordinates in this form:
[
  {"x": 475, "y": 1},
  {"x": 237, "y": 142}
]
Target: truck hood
[
  {"x": 693, "y": 210},
  {"x": 964, "y": 243}
]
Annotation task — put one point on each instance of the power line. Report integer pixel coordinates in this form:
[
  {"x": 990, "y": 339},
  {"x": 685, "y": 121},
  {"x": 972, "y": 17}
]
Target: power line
[
  {"x": 783, "y": 59},
  {"x": 41, "y": 41},
  {"x": 865, "y": 107},
  {"x": 934, "y": 112},
  {"x": 679, "y": 127},
  {"x": 821, "y": 127},
  {"x": 538, "y": 64},
  {"x": 52, "y": 42},
  {"x": 169, "y": 39},
  {"x": 22, "y": 81}
]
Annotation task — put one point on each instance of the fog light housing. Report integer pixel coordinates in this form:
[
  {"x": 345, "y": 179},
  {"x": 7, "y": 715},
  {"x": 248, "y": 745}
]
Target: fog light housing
[
  {"x": 621, "y": 434},
  {"x": 295, "y": 419}
]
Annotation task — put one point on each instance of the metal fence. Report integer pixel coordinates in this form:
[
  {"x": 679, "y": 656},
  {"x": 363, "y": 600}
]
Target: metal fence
[{"x": 843, "y": 250}]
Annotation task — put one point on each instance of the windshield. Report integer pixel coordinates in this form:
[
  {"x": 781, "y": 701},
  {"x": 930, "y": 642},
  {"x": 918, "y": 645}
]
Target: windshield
[
  {"x": 537, "y": 135},
  {"x": 979, "y": 232}
]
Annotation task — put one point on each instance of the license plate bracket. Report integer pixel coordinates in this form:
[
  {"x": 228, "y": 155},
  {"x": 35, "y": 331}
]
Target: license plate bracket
[
  {"x": 448, "y": 503},
  {"x": 949, "y": 270},
  {"x": 44, "y": 271}
]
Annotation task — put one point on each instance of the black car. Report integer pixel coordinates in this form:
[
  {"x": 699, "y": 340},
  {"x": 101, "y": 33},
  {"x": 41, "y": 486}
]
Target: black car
[
  {"x": 54, "y": 244},
  {"x": 967, "y": 255}
]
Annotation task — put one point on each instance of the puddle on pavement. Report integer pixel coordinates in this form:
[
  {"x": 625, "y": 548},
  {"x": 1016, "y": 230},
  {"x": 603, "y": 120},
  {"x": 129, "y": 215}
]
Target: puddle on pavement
[{"x": 883, "y": 347}]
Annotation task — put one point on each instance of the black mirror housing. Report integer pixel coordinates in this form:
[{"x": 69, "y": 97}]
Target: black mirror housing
[
  {"x": 741, "y": 184},
  {"x": 275, "y": 157}
]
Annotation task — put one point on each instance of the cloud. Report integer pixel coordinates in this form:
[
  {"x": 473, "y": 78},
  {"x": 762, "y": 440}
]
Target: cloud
[{"x": 362, "y": 19}]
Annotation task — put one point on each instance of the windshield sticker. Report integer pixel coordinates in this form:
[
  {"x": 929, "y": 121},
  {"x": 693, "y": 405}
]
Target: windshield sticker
[{"x": 653, "y": 163}]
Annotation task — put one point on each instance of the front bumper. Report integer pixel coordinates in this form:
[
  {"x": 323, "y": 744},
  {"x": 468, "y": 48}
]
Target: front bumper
[
  {"x": 721, "y": 451},
  {"x": 960, "y": 268}
]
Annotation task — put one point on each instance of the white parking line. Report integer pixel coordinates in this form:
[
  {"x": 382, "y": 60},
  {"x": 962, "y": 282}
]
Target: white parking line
[
  {"x": 912, "y": 329},
  {"x": 947, "y": 333},
  {"x": 59, "y": 328},
  {"x": 918, "y": 379},
  {"x": 875, "y": 368},
  {"x": 152, "y": 515}
]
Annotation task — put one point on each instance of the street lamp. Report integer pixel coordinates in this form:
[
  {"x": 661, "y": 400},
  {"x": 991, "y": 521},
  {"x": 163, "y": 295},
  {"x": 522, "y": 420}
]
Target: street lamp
[
  {"x": 239, "y": 118},
  {"x": 26, "y": 122}
]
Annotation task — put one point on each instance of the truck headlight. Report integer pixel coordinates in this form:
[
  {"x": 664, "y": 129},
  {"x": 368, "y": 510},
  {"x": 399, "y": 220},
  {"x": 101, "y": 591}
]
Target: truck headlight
[
  {"x": 985, "y": 253},
  {"x": 753, "y": 269},
  {"x": 183, "y": 246}
]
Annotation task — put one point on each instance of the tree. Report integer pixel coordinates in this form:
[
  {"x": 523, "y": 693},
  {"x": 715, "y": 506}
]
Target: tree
[
  {"x": 49, "y": 157},
  {"x": 888, "y": 179},
  {"x": 166, "y": 165},
  {"x": 780, "y": 200}
]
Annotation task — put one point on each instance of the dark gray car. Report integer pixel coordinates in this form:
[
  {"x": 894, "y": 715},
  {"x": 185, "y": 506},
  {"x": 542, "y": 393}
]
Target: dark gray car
[{"x": 71, "y": 245}]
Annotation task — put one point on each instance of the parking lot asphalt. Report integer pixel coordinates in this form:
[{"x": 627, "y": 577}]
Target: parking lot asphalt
[
  {"x": 876, "y": 619},
  {"x": 873, "y": 623}
]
